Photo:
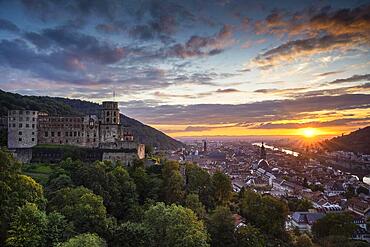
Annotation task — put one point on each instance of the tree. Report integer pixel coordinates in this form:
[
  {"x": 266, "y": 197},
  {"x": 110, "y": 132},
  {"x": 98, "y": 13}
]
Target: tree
[
  {"x": 304, "y": 241},
  {"x": 83, "y": 240},
  {"x": 221, "y": 227},
  {"x": 249, "y": 236},
  {"x": 175, "y": 226},
  {"x": 221, "y": 188},
  {"x": 27, "y": 227},
  {"x": 173, "y": 183},
  {"x": 265, "y": 212},
  {"x": 198, "y": 181},
  {"x": 82, "y": 207},
  {"x": 299, "y": 205},
  {"x": 131, "y": 234},
  {"x": 16, "y": 191},
  {"x": 192, "y": 201},
  {"x": 57, "y": 229},
  {"x": 111, "y": 182},
  {"x": 334, "y": 224}
]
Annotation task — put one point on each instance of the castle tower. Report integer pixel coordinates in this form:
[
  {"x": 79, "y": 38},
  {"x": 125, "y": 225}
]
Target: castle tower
[
  {"x": 110, "y": 122},
  {"x": 22, "y": 128},
  {"x": 110, "y": 113},
  {"x": 263, "y": 152}
]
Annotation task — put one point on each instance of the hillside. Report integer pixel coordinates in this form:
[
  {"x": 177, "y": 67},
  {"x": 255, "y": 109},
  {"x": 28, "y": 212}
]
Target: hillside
[
  {"x": 357, "y": 142},
  {"x": 64, "y": 106}
]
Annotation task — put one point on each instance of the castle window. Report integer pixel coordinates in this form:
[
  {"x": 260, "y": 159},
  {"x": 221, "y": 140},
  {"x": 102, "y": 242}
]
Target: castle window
[
  {"x": 66, "y": 134},
  {"x": 58, "y": 133},
  {"x": 14, "y": 125},
  {"x": 27, "y": 125},
  {"x": 20, "y": 139},
  {"x": 33, "y": 113},
  {"x": 33, "y": 126},
  {"x": 46, "y": 134},
  {"x": 20, "y": 119},
  {"x": 107, "y": 113},
  {"x": 52, "y": 134},
  {"x": 20, "y": 112},
  {"x": 33, "y": 139},
  {"x": 107, "y": 127},
  {"x": 20, "y": 133},
  {"x": 60, "y": 142},
  {"x": 66, "y": 141},
  {"x": 75, "y": 133},
  {"x": 115, "y": 113},
  {"x": 107, "y": 119},
  {"x": 27, "y": 112},
  {"x": 27, "y": 119},
  {"x": 114, "y": 120},
  {"x": 33, "y": 133},
  {"x": 94, "y": 140},
  {"x": 33, "y": 119},
  {"x": 20, "y": 125}
]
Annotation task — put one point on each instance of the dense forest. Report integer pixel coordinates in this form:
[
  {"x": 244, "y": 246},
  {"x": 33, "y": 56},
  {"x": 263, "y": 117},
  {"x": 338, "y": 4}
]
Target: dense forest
[
  {"x": 357, "y": 142},
  {"x": 166, "y": 205},
  {"x": 73, "y": 107}
]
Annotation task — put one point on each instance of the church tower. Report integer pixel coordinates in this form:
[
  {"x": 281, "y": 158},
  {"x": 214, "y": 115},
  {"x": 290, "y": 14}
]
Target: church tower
[{"x": 263, "y": 152}]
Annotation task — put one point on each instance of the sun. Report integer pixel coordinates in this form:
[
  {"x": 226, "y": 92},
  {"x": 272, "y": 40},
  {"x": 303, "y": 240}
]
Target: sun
[{"x": 309, "y": 132}]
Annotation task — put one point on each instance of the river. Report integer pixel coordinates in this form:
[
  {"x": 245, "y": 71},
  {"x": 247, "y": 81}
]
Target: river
[{"x": 287, "y": 151}]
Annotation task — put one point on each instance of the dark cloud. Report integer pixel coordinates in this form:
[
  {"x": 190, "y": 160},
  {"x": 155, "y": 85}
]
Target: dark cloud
[
  {"x": 330, "y": 73},
  {"x": 246, "y": 113},
  {"x": 293, "y": 50},
  {"x": 111, "y": 28},
  {"x": 202, "y": 46},
  {"x": 354, "y": 78},
  {"x": 8, "y": 26},
  {"x": 279, "y": 91},
  {"x": 314, "y": 124},
  {"x": 325, "y": 30},
  {"x": 227, "y": 90}
]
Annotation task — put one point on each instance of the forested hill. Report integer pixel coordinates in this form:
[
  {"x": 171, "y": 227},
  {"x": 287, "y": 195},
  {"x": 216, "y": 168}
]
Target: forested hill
[
  {"x": 357, "y": 142},
  {"x": 73, "y": 107}
]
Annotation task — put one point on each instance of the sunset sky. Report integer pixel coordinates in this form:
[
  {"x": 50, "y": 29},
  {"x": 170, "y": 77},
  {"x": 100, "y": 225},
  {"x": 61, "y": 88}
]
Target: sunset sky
[{"x": 197, "y": 68}]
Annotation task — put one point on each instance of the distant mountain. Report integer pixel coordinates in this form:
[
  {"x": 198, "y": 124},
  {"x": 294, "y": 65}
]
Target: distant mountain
[
  {"x": 357, "y": 142},
  {"x": 73, "y": 107}
]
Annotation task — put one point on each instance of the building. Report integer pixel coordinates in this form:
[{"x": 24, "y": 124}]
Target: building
[
  {"x": 22, "y": 128},
  {"x": 28, "y": 128},
  {"x": 303, "y": 221}
]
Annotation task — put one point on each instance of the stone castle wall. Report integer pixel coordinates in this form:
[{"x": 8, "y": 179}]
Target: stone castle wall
[{"x": 22, "y": 128}]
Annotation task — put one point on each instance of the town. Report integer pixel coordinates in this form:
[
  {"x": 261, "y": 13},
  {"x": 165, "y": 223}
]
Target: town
[{"x": 289, "y": 175}]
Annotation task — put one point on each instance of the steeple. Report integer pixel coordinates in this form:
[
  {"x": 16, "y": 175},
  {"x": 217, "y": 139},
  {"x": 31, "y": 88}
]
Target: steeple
[{"x": 263, "y": 152}]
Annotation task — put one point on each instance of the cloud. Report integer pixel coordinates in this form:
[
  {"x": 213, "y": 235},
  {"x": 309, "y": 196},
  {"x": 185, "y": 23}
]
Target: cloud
[
  {"x": 270, "y": 110},
  {"x": 354, "y": 78},
  {"x": 323, "y": 30},
  {"x": 297, "y": 49},
  {"x": 198, "y": 46},
  {"x": 227, "y": 90},
  {"x": 8, "y": 26},
  {"x": 330, "y": 73},
  {"x": 279, "y": 91},
  {"x": 314, "y": 124}
]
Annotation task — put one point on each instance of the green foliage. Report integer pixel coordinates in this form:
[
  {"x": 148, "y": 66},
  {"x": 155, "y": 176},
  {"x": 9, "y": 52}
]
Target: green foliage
[
  {"x": 249, "y": 236},
  {"x": 334, "y": 241},
  {"x": 221, "y": 188},
  {"x": 16, "y": 190},
  {"x": 3, "y": 137},
  {"x": 221, "y": 227},
  {"x": 265, "y": 212},
  {"x": 111, "y": 182},
  {"x": 303, "y": 241},
  {"x": 301, "y": 205},
  {"x": 192, "y": 201},
  {"x": 84, "y": 240},
  {"x": 175, "y": 226},
  {"x": 82, "y": 207},
  {"x": 173, "y": 183},
  {"x": 198, "y": 181},
  {"x": 334, "y": 224},
  {"x": 131, "y": 234},
  {"x": 27, "y": 227}
]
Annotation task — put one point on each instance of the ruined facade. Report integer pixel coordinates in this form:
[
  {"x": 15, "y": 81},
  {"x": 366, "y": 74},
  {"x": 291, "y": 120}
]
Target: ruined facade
[{"x": 27, "y": 128}]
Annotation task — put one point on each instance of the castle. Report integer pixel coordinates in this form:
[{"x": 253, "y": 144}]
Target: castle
[{"x": 103, "y": 134}]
